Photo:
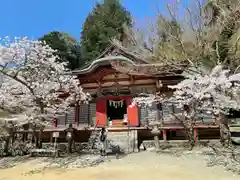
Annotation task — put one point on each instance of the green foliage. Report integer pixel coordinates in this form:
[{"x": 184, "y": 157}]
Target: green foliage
[
  {"x": 168, "y": 31},
  {"x": 102, "y": 24},
  {"x": 225, "y": 17},
  {"x": 213, "y": 11},
  {"x": 68, "y": 49},
  {"x": 224, "y": 38}
]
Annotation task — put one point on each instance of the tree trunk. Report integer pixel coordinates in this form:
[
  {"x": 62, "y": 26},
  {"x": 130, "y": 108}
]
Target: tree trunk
[
  {"x": 8, "y": 140},
  {"x": 13, "y": 138},
  {"x": 36, "y": 141},
  {"x": 225, "y": 134},
  {"x": 24, "y": 136},
  {"x": 40, "y": 138},
  {"x": 188, "y": 125},
  {"x": 191, "y": 137},
  {"x": 6, "y": 146}
]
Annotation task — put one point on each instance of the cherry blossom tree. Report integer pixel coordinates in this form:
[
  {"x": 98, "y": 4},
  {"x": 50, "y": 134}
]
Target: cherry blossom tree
[
  {"x": 216, "y": 93},
  {"x": 147, "y": 100},
  {"x": 32, "y": 81},
  {"x": 192, "y": 45}
]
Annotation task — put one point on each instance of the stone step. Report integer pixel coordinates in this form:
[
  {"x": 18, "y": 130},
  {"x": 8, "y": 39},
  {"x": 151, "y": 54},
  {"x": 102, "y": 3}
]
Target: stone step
[{"x": 118, "y": 133}]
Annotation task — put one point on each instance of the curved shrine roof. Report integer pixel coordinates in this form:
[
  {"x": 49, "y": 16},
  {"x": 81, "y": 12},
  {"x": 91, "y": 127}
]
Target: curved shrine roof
[{"x": 129, "y": 64}]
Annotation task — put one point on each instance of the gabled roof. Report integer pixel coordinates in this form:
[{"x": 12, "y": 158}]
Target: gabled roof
[
  {"x": 112, "y": 53},
  {"x": 102, "y": 62},
  {"x": 116, "y": 50},
  {"x": 126, "y": 62}
]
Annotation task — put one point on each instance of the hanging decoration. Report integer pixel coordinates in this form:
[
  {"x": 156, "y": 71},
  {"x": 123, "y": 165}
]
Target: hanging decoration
[{"x": 116, "y": 104}]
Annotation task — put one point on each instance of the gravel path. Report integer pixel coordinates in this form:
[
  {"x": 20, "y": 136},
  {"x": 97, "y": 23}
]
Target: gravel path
[{"x": 139, "y": 166}]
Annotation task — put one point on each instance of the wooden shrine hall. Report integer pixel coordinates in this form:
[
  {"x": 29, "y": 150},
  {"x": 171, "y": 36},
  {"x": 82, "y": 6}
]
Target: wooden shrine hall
[
  {"x": 112, "y": 89},
  {"x": 113, "y": 79}
]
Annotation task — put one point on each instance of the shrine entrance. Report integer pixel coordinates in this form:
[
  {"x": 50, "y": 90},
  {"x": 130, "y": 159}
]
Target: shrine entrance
[{"x": 116, "y": 110}]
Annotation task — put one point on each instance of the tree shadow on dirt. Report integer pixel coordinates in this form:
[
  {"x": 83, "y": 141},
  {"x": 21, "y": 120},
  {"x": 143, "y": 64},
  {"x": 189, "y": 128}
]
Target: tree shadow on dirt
[{"x": 9, "y": 162}]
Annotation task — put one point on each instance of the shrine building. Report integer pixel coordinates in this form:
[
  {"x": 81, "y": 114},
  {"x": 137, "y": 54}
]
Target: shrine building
[
  {"x": 113, "y": 80},
  {"x": 112, "y": 90}
]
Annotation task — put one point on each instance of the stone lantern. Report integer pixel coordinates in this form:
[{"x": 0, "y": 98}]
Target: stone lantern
[
  {"x": 69, "y": 137},
  {"x": 156, "y": 133}
]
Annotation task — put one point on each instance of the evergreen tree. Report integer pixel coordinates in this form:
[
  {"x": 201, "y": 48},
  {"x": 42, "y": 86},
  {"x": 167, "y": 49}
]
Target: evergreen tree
[
  {"x": 68, "y": 49},
  {"x": 225, "y": 13},
  {"x": 103, "y": 23}
]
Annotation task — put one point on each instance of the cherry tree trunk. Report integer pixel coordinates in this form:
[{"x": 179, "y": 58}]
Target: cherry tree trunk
[
  {"x": 225, "y": 135},
  {"x": 190, "y": 136},
  {"x": 13, "y": 137},
  {"x": 6, "y": 145},
  {"x": 188, "y": 124},
  {"x": 40, "y": 138},
  {"x": 8, "y": 139},
  {"x": 189, "y": 130}
]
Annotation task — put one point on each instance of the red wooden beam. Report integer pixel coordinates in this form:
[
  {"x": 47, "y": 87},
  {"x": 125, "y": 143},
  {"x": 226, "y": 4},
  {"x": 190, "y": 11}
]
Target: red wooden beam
[
  {"x": 93, "y": 80},
  {"x": 147, "y": 84}
]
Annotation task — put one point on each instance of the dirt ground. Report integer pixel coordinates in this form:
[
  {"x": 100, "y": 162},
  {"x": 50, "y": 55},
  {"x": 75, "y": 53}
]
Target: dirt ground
[{"x": 139, "y": 166}]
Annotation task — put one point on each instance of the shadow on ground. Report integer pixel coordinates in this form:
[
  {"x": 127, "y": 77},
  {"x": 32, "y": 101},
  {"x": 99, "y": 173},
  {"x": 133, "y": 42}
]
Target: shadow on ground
[{"x": 74, "y": 160}]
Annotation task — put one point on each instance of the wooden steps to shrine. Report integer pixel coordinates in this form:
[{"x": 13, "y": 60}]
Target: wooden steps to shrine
[{"x": 117, "y": 123}]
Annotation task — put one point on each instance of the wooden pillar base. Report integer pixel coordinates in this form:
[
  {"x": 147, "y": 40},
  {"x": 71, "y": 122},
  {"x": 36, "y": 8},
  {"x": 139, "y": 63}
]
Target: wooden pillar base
[
  {"x": 76, "y": 125},
  {"x": 164, "y": 133},
  {"x": 195, "y": 133}
]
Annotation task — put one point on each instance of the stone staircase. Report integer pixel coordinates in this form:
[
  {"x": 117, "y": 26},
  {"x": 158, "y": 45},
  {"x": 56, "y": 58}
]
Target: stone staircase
[
  {"x": 94, "y": 141},
  {"x": 124, "y": 141}
]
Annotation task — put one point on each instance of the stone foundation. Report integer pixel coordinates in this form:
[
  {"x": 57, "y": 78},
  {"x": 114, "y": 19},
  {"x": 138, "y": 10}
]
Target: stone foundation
[{"x": 126, "y": 141}]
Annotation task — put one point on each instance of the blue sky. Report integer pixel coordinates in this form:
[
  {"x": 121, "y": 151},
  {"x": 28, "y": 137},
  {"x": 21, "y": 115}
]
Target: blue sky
[{"x": 34, "y": 18}]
